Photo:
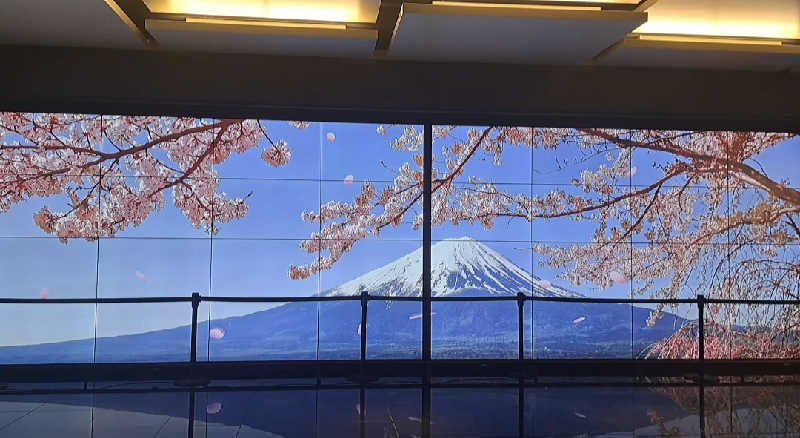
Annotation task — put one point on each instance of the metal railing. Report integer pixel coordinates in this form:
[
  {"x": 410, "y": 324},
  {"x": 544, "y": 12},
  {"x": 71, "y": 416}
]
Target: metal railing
[{"x": 364, "y": 298}]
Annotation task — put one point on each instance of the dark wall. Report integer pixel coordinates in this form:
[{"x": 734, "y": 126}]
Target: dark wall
[{"x": 160, "y": 82}]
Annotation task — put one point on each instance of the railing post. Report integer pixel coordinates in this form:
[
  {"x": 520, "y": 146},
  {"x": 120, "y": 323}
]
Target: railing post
[
  {"x": 195, "y": 305},
  {"x": 363, "y": 334},
  {"x": 701, "y": 326},
  {"x": 521, "y": 324}
]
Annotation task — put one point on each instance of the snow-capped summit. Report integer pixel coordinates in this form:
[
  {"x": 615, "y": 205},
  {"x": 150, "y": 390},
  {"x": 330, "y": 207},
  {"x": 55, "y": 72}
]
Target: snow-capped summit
[{"x": 456, "y": 265}]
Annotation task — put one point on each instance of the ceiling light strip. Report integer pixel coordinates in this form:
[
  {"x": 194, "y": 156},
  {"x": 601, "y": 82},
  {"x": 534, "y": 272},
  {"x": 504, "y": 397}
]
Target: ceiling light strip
[
  {"x": 263, "y": 27},
  {"x": 703, "y": 43},
  {"x": 710, "y": 39},
  {"x": 462, "y": 4},
  {"x": 282, "y": 24}
]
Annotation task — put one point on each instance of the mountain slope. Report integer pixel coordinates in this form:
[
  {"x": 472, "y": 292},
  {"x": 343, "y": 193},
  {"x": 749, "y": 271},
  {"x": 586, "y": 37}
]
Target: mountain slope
[{"x": 456, "y": 264}]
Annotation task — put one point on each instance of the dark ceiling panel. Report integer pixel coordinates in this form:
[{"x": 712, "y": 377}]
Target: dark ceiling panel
[{"x": 155, "y": 82}]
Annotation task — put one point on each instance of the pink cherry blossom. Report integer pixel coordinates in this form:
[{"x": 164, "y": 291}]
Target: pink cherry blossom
[
  {"x": 278, "y": 155},
  {"x": 617, "y": 278},
  {"x": 348, "y": 180},
  {"x": 216, "y": 333},
  {"x": 169, "y": 157},
  {"x": 331, "y": 137},
  {"x": 214, "y": 408},
  {"x": 545, "y": 284},
  {"x": 140, "y": 276},
  {"x": 44, "y": 293}
]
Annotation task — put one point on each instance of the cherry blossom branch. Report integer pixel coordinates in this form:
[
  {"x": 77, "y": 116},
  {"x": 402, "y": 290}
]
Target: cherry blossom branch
[{"x": 59, "y": 155}]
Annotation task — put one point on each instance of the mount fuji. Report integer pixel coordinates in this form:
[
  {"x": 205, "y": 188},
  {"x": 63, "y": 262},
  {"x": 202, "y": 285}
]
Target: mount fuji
[
  {"x": 330, "y": 330},
  {"x": 456, "y": 264}
]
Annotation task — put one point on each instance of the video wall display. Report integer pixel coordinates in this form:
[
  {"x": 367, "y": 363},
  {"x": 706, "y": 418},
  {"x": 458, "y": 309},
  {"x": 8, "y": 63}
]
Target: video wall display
[{"x": 106, "y": 206}]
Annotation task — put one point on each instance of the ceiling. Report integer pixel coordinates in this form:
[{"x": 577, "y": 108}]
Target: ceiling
[
  {"x": 511, "y": 35},
  {"x": 76, "y": 23},
  {"x": 709, "y": 34}
]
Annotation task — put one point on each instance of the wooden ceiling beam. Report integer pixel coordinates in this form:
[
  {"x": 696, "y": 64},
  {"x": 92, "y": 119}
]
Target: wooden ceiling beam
[
  {"x": 644, "y": 5},
  {"x": 133, "y": 13},
  {"x": 388, "y": 16}
]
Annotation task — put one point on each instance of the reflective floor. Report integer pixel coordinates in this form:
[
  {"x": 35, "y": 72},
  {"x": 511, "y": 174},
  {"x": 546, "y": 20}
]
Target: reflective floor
[{"x": 400, "y": 409}]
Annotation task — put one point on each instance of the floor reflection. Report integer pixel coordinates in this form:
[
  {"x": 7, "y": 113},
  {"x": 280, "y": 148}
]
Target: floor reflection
[{"x": 472, "y": 409}]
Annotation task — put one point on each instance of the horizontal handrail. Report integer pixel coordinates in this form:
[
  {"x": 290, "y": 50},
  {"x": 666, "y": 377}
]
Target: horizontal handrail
[
  {"x": 364, "y": 298},
  {"x": 287, "y": 299},
  {"x": 138, "y": 300},
  {"x": 278, "y": 299}
]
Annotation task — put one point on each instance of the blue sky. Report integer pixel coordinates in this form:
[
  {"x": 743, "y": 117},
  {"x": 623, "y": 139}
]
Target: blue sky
[{"x": 167, "y": 256}]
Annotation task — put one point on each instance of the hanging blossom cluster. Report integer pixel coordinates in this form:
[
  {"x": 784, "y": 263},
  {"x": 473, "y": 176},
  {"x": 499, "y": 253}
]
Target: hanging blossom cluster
[
  {"x": 116, "y": 171},
  {"x": 697, "y": 220},
  {"x": 700, "y": 228},
  {"x": 343, "y": 224},
  {"x": 723, "y": 342}
]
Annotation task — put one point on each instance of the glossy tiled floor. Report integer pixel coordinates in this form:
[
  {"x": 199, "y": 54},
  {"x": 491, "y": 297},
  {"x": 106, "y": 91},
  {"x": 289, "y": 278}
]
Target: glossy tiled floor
[{"x": 251, "y": 409}]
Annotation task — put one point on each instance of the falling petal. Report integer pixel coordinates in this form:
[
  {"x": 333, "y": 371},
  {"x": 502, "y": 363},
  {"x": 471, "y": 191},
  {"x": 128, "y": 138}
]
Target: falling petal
[
  {"x": 348, "y": 180},
  {"x": 214, "y": 408},
  {"x": 44, "y": 293},
  {"x": 579, "y": 320},
  {"x": 331, "y": 137},
  {"x": 633, "y": 170},
  {"x": 419, "y": 315},
  {"x": 579, "y": 415},
  {"x": 545, "y": 284},
  {"x": 216, "y": 333},
  {"x": 617, "y": 278},
  {"x": 140, "y": 276}
]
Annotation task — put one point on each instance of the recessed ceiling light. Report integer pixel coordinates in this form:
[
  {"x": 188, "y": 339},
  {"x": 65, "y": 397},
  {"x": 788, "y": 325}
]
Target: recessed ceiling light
[
  {"x": 345, "y": 11},
  {"x": 777, "y": 19}
]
